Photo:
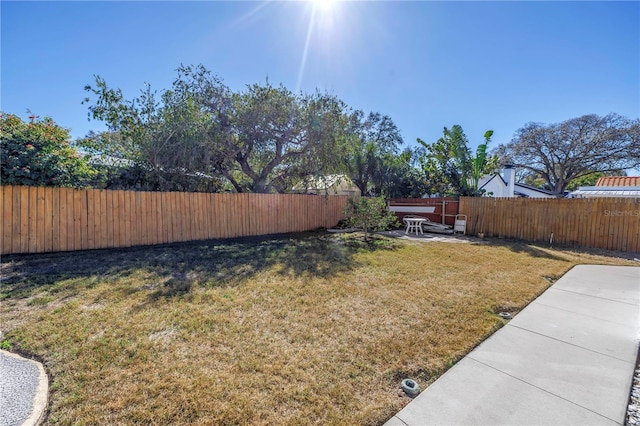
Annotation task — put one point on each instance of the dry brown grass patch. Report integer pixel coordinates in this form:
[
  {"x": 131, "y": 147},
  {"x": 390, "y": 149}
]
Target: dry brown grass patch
[{"x": 309, "y": 329}]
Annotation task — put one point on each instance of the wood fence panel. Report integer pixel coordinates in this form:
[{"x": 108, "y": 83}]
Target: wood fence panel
[
  {"x": 90, "y": 219},
  {"x": 246, "y": 215},
  {"x": 149, "y": 222},
  {"x": 63, "y": 222},
  {"x": 93, "y": 205},
  {"x": 626, "y": 230},
  {"x": 196, "y": 208},
  {"x": 221, "y": 220},
  {"x": 255, "y": 208},
  {"x": 206, "y": 221},
  {"x": 169, "y": 214},
  {"x": 159, "y": 217},
  {"x": 181, "y": 221},
  {"x": 24, "y": 220},
  {"x": 143, "y": 217},
  {"x": 66, "y": 219},
  {"x": 111, "y": 219},
  {"x": 184, "y": 216},
  {"x": 227, "y": 215},
  {"x": 618, "y": 233},
  {"x": 32, "y": 229},
  {"x": 7, "y": 220},
  {"x": 77, "y": 220},
  {"x": 39, "y": 213},
  {"x": 117, "y": 218},
  {"x": 187, "y": 213},
  {"x": 55, "y": 220},
  {"x": 45, "y": 219},
  {"x": 206, "y": 218},
  {"x": 635, "y": 229},
  {"x": 162, "y": 219},
  {"x": 200, "y": 230},
  {"x": 235, "y": 215},
  {"x": 212, "y": 216},
  {"x": 607, "y": 223},
  {"x": 608, "y": 239},
  {"x": 152, "y": 225},
  {"x": 15, "y": 218},
  {"x": 123, "y": 217}
]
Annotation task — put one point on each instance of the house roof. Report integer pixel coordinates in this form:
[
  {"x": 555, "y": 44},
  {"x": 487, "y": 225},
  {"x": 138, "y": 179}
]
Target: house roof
[
  {"x": 517, "y": 185},
  {"x": 618, "y": 181},
  {"x": 492, "y": 178},
  {"x": 607, "y": 191},
  {"x": 533, "y": 188}
]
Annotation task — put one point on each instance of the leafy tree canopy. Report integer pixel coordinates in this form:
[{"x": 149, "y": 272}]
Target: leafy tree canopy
[
  {"x": 449, "y": 167},
  {"x": 578, "y": 147},
  {"x": 40, "y": 153},
  {"x": 262, "y": 139},
  {"x": 369, "y": 149}
]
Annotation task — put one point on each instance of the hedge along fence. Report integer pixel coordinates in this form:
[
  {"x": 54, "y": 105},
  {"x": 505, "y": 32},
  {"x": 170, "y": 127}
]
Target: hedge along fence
[
  {"x": 39, "y": 220},
  {"x": 607, "y": 223}
]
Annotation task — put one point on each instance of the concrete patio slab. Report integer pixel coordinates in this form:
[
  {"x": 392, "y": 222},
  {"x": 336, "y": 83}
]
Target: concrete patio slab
[
  {"x": 618, "y": 312},
  {"x": 602, "y": 336},
  {"x": 567, "y": 358},
  {"x": 591, "y": 380},
  {"x": 460, "y": 405},
  {"x": 596, "y": 281}
]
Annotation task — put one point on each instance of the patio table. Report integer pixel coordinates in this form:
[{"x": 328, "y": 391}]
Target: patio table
[{"x": 414, "y": 224}]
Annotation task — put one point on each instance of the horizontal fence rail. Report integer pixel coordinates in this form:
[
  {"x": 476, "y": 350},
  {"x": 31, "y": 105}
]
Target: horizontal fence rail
[
  {"x": 606, "y": 223},
  {"x": 39, "y": 219},
  {"x": 446, "y": 208}
]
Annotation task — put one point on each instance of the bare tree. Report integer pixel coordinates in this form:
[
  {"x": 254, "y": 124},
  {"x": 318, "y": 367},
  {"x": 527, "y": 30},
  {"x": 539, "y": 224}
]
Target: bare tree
[{"x": 574, "y": 148}]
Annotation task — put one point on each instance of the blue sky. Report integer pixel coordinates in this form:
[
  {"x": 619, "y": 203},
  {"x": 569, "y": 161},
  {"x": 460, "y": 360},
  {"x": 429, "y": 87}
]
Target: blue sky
[{"x": 483, "y": 65}]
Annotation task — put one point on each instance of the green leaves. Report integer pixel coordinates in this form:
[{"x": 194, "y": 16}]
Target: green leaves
[
  {"x": 369, "y": 152},
  {"x": 261, "y": 139},
  {"x": 369, "y": 214},
  {"x": 450, "y": 168},
  {"x": 39, "y": 153}
]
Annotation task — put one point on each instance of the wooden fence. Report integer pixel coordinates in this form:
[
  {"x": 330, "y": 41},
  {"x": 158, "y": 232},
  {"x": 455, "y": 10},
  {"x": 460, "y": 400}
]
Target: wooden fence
[
  {"x": 38, "y": 219},
  {"x": 607, "y": 223}
]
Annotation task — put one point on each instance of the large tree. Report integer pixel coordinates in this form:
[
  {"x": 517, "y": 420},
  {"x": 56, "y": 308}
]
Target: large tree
[
  {"x": 280, "y": 138},
  {"x": 450, "y": 168},
  {"x": 153, "y": 143},
  {"x": 369, "y": 149},
  {"x": 562, "y": 152},
  {"x": 262, "y": 139}
]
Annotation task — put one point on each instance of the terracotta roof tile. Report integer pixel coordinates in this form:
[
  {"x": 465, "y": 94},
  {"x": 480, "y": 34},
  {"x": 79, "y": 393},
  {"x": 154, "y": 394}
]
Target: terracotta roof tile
[{"x": 619, "y": 181}]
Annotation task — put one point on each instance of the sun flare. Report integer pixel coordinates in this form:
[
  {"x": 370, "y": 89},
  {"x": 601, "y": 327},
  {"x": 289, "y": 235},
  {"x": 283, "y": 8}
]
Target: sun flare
[{"x": 325, "y": 5}]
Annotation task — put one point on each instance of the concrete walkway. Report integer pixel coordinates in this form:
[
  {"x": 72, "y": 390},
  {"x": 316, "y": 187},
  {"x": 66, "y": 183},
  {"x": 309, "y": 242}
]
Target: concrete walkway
[
  {"x": 567, "y": 358},
  {"x": 24, "y": 390}
]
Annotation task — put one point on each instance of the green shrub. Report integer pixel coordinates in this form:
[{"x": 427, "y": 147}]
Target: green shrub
[
  {"x": 39, "y": 154},
  {"x": 369, "y": 214}
]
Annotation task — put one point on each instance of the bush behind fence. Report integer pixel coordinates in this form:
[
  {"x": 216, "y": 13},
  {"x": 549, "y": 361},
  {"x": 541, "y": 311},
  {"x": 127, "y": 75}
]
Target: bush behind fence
[{"x": 40, "y": 219}]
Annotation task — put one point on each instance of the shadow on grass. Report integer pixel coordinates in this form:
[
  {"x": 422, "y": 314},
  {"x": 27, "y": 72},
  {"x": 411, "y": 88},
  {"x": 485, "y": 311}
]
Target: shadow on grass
[
  {"x": 172, "y": 270},
  {"x": 529, "y": 249},
  {"x": 555, "y": 252}
]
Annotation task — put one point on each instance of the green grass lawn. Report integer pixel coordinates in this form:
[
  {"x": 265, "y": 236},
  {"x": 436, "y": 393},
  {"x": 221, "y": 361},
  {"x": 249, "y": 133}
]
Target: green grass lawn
[{"x": 301, "y": 329}]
